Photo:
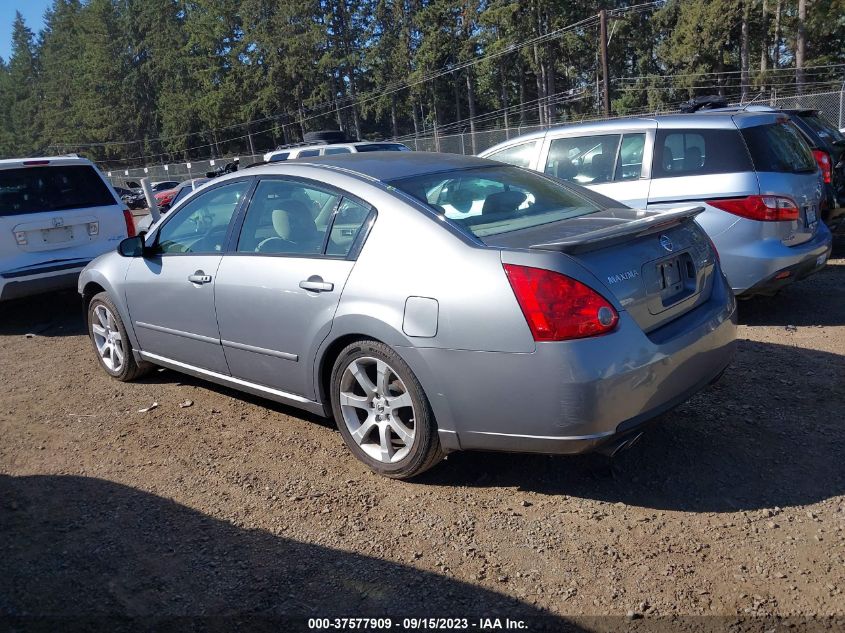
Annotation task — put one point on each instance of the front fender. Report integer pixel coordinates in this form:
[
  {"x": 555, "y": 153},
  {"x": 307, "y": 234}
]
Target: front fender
[{"x": 109, "y": 272}]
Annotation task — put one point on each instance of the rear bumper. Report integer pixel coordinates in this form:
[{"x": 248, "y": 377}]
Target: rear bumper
[
  {"x": 752, "y": 265},
  {"x": 788, "y": 275},
  {"x": 576, "y": 396},
  {"x": 25, "y": 282}
]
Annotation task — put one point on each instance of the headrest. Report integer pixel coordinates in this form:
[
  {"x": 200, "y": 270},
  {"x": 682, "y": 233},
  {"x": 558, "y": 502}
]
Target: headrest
[{"x": 503, "y": 202}]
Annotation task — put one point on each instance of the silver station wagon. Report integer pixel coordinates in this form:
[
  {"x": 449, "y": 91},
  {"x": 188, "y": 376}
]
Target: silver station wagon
[
  {"x": 429, "y": 304},
  {"x": 752, "y": 172}
]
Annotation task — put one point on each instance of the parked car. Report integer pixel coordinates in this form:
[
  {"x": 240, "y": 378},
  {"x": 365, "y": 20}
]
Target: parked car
[
  {"x": 430, "y": 304},
  {"x": 308, "y": 150},
  {"x": 751, "y": 171},
  {"x": 139, "y": 200},
  {"x": 56, "y": 215},
  {"x": 828, "y": 147}
]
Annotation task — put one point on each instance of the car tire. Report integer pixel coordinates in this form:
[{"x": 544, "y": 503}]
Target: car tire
[
  {"x": 111, "y": 342},
  {"x": 377, "y": 414}
]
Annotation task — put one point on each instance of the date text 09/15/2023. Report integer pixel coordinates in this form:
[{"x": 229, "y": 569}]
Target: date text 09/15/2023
[{"x": 422, "y": 624}]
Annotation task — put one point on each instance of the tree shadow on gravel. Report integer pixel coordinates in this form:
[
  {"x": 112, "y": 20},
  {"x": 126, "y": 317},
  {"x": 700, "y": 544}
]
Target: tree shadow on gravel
[
  {"x": 54, "y": 314},
  {"x": 769, "y": 433},
  {"x": 77, "y": 547},
  {"x": 818, "y": 300}
]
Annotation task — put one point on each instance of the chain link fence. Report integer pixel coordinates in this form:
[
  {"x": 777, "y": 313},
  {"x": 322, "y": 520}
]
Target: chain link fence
[{"x": 831, "y": 105}]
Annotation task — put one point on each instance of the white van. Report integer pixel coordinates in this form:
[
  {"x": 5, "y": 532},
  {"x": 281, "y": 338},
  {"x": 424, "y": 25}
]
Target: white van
[
  {"x": 56, "y": 215},
  {"x": 305, "y": 150}
]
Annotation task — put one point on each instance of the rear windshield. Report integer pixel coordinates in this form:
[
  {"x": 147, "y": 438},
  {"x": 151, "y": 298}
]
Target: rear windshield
[
  {"x": 778, "y": 147},
  {"x": 383, "y": 147},
  {"x": 497, "y": 199},
  {"x": 34, "y": 189},
  {"x": 699, "y": 152},
  {"x": 824, "y": 129}
]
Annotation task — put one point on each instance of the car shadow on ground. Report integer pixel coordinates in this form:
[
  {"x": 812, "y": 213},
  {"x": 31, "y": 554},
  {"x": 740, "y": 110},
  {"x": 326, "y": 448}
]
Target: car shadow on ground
[
  {"x": 769, "y": 433},
  {"x": 53, "y": 314},
  {"x": 78, "y": 547},
  {"x": 818, "y": 300}
]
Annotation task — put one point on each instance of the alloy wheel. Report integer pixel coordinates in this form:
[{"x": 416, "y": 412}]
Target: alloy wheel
[
  {"x": 377, "y": 409},
  {"x": 107, "y": 339}
]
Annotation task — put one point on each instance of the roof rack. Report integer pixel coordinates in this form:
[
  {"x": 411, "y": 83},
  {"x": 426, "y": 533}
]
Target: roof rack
[{"x": 704, "y": 102}]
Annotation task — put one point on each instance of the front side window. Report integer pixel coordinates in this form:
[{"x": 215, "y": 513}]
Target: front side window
[
  {"x": 585, "y": 160},
  {"x": 519, "y": 155},
  {"x": 281, "y": 156},
  {"x": 201, "y": 225},
  {"x": 308, "y": 152},
  {"x": 698, "y": 152},
  {"x": 778, "y": 147},
  {"x": 498, "y": 199}
]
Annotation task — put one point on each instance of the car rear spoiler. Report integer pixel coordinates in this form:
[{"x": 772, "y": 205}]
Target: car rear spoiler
[{"x": 602, "y": 238}]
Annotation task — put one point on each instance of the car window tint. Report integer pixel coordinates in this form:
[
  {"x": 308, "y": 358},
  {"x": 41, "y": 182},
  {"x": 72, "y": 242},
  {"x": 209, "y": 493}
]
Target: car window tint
[
  {"x": 349, "y": 222},
  {"x": 585, "y": 160},
  {"x": 778, "y": 147},
  {"x": 44, "y": 188},
  {"x": 286, "y": 217},
  {"x": 277, "y": 158},
  {"x": 383, "y": 147},
  {"x": 337, "y": 150},
  {"x": 201, "y": 225},
  {"x": 519, "y": 155},
  {"x": 630, "y": 163},
  {"x": 698, "y": 152},
  {"x": 308, "y": 152}
]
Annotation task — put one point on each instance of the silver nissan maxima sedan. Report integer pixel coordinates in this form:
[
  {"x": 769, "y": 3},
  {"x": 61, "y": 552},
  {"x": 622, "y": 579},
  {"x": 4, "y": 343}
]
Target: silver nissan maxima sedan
[{"x": 428, "y": 302}]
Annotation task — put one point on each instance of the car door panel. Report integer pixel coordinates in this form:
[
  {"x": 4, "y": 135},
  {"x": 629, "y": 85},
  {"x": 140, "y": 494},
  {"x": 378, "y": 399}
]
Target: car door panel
[
  {"x": 174, "y": 317},
  {"x": 273, "y": 342},
  {"x": 170, "y": 292}
]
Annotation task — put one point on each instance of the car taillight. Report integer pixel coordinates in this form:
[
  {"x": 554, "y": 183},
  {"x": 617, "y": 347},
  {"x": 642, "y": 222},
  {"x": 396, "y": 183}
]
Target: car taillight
[
  {"x": 558, "y": 307},
  {"x": 823, "y": 160},
  {"x": 130, "y": 223},
  {"x": 763, "y": 208}
]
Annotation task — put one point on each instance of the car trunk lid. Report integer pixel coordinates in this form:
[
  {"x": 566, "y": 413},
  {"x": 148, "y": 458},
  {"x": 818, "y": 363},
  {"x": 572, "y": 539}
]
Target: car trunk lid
[{"x": 658, "y": 266}]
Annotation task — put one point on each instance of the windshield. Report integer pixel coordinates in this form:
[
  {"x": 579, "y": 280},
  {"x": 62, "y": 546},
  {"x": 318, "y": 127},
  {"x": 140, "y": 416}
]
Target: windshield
[{"x": 497, "y": 199}]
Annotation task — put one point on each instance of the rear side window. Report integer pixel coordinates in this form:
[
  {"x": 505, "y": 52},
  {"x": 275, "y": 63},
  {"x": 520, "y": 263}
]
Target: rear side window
[
  {"x": 308, "y": 152},
  {"x": 383, "y": 147},
  {"x": 519, "y": 155},
  {"x": 699, "y": 152},
  {"x": 277, "y": 158},
  {"x": 337, "y": 150},
  {"x": 585, "y": 160},
  {"x": 778, "y": 147},
  {"x": 34, "y": 189}
]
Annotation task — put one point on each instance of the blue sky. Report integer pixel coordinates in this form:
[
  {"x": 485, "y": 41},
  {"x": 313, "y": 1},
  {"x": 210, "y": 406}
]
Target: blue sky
[{"x": 33, "y": 14}]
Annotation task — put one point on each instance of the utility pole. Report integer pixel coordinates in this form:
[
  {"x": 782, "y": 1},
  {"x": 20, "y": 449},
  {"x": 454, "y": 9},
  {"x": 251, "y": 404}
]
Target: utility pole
[{"x": 605, "y": 80}]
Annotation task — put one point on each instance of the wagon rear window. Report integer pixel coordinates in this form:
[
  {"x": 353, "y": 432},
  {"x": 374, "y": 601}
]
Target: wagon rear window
[
  {"x": 778, "y": 147},
  {"x": 35, "y": 189}
]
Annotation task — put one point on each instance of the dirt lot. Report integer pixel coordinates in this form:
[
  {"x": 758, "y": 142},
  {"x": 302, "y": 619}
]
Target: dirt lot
[{"x": 733, "y": 505}]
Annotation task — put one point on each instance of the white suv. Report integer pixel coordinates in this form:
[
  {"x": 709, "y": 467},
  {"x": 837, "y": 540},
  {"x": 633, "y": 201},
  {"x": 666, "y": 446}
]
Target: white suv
[
  {"x": 326, "y": 149},
  {"x": 56, "y": 215}
]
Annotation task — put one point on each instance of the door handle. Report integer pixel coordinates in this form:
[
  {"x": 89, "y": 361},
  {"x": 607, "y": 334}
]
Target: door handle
[
  {"x": 316, "y": 284},
  {"x": 199, "y": 277}
]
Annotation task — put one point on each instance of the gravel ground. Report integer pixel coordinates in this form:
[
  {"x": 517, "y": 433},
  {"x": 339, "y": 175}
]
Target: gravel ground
[{"x": 733, "y": 505}]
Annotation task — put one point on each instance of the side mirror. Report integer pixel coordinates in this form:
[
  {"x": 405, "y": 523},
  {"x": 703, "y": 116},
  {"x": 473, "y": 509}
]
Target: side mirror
[{"x": 132, "y": 247}]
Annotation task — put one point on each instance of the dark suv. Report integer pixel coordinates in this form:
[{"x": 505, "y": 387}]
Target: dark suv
[{"x": 828, "y": 145}]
